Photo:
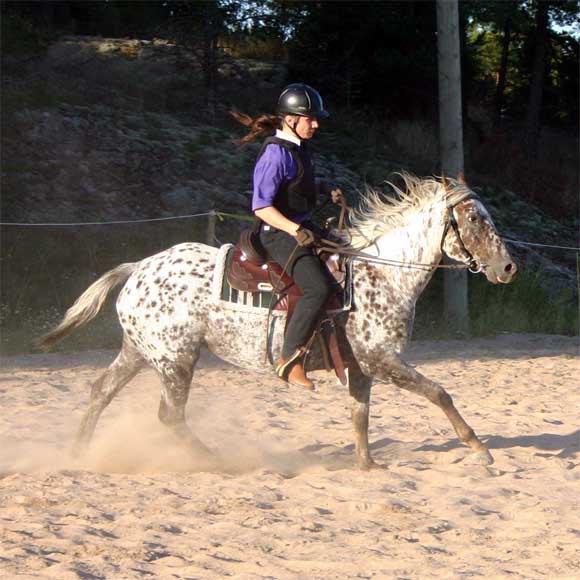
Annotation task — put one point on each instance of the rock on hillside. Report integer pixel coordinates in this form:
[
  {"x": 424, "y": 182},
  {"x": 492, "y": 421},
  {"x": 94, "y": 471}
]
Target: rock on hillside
[{"x": 91, "y": 163}]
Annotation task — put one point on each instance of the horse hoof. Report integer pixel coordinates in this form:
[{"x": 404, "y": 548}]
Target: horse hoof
[{"x": 480, "y": 458}]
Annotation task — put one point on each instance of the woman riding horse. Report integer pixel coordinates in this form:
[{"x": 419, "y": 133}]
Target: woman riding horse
[{"x": 285, "y": 192}]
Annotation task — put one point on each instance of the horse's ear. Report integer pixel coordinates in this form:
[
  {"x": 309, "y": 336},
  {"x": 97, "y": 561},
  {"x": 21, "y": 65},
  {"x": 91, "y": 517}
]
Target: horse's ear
[
  {"x": 445, "y": 183},
  {"x": 461, "y": 178}
]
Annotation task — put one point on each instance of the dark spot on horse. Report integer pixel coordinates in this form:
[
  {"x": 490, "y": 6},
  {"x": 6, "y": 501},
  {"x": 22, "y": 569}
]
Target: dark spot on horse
[{"x": 367, "y": 335}]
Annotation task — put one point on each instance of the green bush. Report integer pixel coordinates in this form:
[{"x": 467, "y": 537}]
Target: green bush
[
  {"x": 43, "y": 271},
  {"x": 524, "y": 306}
]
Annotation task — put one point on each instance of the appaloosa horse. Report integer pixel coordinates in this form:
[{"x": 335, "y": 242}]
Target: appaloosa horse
[{"x": 168, "y": 307}]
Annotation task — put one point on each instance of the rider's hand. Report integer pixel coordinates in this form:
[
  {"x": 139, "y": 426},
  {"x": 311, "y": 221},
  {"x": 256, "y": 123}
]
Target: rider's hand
[{"x": 306, "y": 238}]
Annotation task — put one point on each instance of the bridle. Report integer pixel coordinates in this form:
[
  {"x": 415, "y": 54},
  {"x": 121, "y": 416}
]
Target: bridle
[{"x": 470, "y": 262}]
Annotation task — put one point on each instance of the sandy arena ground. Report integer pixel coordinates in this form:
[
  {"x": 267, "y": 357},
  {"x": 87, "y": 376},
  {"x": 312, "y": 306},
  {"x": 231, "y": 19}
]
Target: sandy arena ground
[{"x": 287, "y": 501}]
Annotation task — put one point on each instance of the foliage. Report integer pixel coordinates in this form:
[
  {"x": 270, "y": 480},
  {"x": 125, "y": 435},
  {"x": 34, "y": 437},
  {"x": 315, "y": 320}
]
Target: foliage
[
  {"x": 43, "y": 271},
  {"x": 524, "y": 306},
  {"x": 485, "y": 30},
  {"x": 381, "y": 55},
  {"x": 21, "y": 37}
]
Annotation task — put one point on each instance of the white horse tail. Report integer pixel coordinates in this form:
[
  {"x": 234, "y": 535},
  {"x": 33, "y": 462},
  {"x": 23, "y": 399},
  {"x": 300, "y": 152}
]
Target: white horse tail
[{"x": 88, "y": 304}]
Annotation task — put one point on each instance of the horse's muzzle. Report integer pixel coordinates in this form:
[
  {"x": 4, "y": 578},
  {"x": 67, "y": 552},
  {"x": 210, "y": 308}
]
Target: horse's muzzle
[{"x": 501, "y": 272}]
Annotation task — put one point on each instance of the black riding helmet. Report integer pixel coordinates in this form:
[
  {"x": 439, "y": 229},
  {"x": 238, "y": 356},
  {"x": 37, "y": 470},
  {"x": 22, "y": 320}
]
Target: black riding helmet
[{"x": 303, "y": 100}]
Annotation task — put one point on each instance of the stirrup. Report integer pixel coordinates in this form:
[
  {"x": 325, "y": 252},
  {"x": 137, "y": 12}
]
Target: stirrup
[{"x": 283, "y": 366}]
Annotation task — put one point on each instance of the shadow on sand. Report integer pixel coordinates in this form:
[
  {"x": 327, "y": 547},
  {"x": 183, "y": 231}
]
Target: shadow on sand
[{"x": 561, "y": 446}]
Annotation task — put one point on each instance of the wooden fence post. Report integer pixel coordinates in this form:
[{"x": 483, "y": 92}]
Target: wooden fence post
[{"x": 451, "y": 144}]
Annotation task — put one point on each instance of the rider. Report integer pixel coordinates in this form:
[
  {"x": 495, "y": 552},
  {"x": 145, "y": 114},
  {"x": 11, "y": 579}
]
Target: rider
[{"x": 284, "y": 198}]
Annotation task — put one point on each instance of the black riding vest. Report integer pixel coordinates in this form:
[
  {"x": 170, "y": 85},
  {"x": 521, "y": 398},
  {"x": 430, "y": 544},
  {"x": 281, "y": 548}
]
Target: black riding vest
[{"x": 297, "y": 196}]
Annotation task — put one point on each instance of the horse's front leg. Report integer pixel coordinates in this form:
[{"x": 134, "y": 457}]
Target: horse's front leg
[
  {"x": 360, "y": 390},
  {"x": 406, "y": 377}
]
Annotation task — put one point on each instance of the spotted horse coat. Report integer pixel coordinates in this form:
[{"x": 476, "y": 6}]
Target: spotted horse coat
[{"x": 167, "y": 311}]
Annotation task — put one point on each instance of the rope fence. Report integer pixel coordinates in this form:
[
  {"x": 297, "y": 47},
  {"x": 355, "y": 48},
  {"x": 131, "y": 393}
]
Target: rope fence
[{"x": 221, "y": 216}]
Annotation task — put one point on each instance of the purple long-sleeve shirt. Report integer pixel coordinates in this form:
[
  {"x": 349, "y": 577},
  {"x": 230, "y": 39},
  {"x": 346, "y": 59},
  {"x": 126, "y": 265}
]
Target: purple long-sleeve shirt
[{"x": 275, "y": 167}]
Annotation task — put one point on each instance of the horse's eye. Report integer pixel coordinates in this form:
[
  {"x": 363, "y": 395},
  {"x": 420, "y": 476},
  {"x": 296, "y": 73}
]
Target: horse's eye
[{"x": 472, "y": 218}]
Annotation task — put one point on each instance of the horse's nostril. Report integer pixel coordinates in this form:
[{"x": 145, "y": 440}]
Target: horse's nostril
[{"x": 510, "y": 268}]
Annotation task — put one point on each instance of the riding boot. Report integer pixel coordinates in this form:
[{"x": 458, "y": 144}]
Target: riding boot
[
  {"x": 297, "y": 376},
  {"x": 292, "y": 371}
]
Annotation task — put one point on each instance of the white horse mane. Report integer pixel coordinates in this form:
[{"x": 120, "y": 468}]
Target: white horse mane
[{"x": 377, "y": 215}]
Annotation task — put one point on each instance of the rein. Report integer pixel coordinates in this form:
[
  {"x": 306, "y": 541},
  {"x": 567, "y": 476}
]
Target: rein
[
  {"x": 335, "y": 248},
  {"x": 470, "y": 264}
]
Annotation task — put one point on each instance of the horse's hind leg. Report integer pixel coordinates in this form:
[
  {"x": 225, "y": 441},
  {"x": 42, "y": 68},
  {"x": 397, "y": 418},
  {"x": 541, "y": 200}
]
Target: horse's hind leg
[
  {"x": 409, "y": 379},
  {"x": 127, "y": 364},
  {"x": 176, "y": 379}
]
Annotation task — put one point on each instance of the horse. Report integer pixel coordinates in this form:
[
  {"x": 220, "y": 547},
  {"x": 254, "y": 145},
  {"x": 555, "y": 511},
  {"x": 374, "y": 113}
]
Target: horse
[{"x": 168, "y": 310}]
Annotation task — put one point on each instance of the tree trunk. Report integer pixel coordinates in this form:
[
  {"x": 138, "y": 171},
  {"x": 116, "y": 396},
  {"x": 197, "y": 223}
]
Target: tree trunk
[
  {"x": 502, "y": 75},
  {"x": 537, "y": 81},
  {"x": 210, "y": 56},
  {"x": 451, "y": 144}
]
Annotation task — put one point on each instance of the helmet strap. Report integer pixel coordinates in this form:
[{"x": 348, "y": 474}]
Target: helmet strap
[{"x": 293, "y": 127}]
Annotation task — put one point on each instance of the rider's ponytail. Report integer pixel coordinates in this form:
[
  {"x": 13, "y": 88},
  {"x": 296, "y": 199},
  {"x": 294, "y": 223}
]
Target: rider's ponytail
[{"x": 260, "y": 126}]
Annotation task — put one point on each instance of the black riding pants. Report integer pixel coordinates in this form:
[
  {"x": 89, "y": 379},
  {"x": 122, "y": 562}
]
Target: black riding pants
[{"x": 312, "y": 277}]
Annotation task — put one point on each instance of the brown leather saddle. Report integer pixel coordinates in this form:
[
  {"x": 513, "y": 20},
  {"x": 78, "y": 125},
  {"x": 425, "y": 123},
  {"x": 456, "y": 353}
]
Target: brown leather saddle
[
  {"x": 264, "y": 284},
  {"x": 249, "y": 270}
]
